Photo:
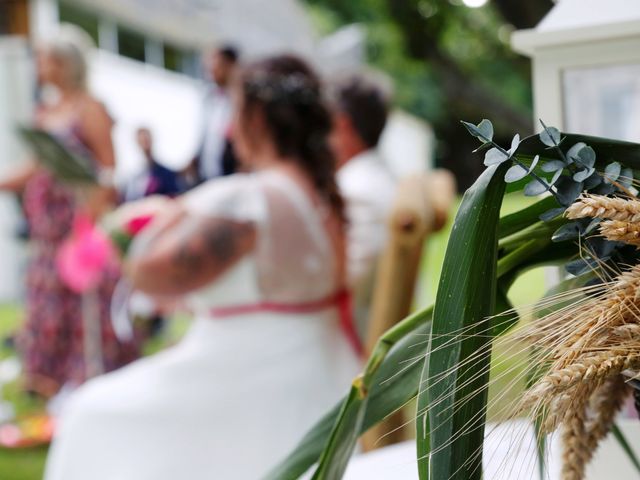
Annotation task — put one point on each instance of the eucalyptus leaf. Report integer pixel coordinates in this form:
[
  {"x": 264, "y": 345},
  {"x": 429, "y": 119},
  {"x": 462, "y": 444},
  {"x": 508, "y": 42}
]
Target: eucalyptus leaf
[
  {"x": 534, "y": 163},
  {"x": 515, "y": 173},
  {"x": 592, "y": 225},
  {"x": 483, "y": 131},
  {"x": 553, "y": 166},
  {"x": 603, "y": 189},
  {"x": 515, "y": 143},
  {"x": 572, "y": 153},
  {"x": 601, "y": 247},
  {"x": 494, "y": 157},
  {"x": 581, "y": 266},
  {"x": 534, "y": 188},
  {"x": 626, "y": 177},
  {"x": 593, "y": 181},
  {"x": 550, "y": 136},
  {"x": 612, "y": 172},
  {"x": 586, "y": 157},
  {"x": 555, "y": 177},
  {"x": 582, "y": 175},
  {"x": 551, "y": 214},
  {"x": 569, "y": 231},
  {"x": 568, "y": 190}
]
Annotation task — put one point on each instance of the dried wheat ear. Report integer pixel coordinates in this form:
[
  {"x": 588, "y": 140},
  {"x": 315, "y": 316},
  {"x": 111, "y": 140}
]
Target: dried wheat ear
[{"x": 587, "y": 348}]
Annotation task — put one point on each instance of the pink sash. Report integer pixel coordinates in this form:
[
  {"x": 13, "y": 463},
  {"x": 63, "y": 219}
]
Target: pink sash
[{"x": 340, "y": 300}]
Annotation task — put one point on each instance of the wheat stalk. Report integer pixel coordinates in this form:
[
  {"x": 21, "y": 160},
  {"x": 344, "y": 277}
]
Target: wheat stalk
[
  {"x": 605, "y": 403},
  {"x": 575, "y": 452},
  {"x": 619, "y": 231},
  {"x": 591, "y": 369},
  {"x": 630, "y": 331},
  {"x": 598, "y": 206}
]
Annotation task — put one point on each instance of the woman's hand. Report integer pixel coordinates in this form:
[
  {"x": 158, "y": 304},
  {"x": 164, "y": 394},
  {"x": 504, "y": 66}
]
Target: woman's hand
[
  {"x": 151, "y": 207},
  {"x": 19, "y": 176}
]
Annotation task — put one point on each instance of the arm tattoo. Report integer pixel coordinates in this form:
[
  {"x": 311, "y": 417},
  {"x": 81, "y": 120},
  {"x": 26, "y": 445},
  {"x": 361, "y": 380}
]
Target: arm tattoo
[{"x": 218, "y": 243}]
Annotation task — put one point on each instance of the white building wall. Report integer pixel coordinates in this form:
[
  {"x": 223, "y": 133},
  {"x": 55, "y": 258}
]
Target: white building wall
[
  {"x": 16, "y": 93},
  {"x": 138, "y": 94}
]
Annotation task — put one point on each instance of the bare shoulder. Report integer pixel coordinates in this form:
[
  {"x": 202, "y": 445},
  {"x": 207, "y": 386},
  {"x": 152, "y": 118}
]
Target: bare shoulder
[{"x": 92, "y": 108}]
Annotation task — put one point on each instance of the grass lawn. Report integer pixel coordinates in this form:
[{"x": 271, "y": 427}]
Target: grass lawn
[{"x": 28, "y": 464}]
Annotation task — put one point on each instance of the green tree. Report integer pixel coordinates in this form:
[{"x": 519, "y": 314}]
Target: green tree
[{"x": 448, "y": 62}]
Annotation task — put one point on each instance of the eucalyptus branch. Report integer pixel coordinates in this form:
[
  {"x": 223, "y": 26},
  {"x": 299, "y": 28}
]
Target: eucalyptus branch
[
  {"x": 514, "y": 158},
  {"x": 557, "y": 146}
]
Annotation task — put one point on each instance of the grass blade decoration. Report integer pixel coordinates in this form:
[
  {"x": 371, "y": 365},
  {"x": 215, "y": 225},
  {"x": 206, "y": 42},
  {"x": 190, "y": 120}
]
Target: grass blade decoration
[
  {"x": 456, "y": 389},
  {"x": 393, "y": 381},
  {"x": 589, "y": 215}
]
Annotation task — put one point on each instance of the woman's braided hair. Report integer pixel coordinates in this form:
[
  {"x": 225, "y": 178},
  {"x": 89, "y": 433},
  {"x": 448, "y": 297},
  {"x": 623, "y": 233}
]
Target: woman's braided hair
[{"x": 289, "y": 95}]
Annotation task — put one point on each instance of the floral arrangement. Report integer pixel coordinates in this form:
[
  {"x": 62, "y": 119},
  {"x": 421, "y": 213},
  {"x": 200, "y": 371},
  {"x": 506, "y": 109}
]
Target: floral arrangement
[{"x": 583, "y": 342}]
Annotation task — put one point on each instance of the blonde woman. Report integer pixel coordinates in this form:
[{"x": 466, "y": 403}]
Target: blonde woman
[{"x": 51, "y": 342}]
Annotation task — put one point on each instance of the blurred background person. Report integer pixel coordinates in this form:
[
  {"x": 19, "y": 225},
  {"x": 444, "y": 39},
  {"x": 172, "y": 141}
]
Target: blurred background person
[
  {"x": 51, "y": 343},
  {"x": 360, "y": 107},
  {"x": 215, "y": 156},
  {"x": 155, "y": 178}
]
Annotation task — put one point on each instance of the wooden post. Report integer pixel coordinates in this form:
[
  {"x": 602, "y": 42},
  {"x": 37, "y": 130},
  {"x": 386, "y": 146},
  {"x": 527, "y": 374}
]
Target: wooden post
[
  {"x": 421, "y": 207},
  {"x": 14, "y": 17}
]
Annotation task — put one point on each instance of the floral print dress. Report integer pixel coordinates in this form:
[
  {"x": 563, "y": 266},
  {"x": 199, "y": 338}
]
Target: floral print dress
[{"x": 51, "y": 342}]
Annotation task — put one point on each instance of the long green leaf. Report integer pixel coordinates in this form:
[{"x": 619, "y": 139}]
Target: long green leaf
[
  {"x": 521, "y": 219},
  {"x": 344, "y": 434},
  {"x": 396, "y": 381},
  {"x": 394, "y": 384},
  {"x": 456, "y": 393}
]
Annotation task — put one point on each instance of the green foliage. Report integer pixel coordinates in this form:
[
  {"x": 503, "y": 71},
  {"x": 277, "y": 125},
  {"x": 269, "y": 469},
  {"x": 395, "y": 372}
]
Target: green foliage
[
  {"x": 393, "y": 383},
  {"x": 459, "y": 332},
  {"x": 484, "y": 256},
  {"x": 475, "y": 40}
]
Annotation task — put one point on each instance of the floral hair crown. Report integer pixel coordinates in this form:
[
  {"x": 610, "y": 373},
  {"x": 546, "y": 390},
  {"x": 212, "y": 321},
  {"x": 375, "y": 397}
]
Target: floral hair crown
[{"x": 293, "y": 88}]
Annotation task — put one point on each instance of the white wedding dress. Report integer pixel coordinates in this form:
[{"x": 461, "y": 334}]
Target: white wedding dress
[{"x": 264, "y": 359}]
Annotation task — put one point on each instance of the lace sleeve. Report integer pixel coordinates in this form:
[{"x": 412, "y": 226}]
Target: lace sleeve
[{"x": 235, "y": 197}]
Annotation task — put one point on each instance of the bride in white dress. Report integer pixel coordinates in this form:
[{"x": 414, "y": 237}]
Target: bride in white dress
[{"x": 259, "y": 259}]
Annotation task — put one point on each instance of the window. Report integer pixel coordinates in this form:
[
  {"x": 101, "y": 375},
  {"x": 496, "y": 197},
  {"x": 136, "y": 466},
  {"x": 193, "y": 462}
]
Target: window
[
  {"x": 131, "y": 44},
  {"x": 80, "y": 17},
  {"x": 172, "y": 58},
  {"x": 180, "y": 60}
]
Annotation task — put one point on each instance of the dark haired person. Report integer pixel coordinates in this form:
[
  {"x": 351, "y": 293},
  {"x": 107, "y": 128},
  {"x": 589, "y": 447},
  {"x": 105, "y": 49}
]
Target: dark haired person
[
  {"x": 215, "y": 156},
  {"x": 360, "y": 106},
  {"x": 155, "y": 178},
  {"x": 259, "y": 258}
]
